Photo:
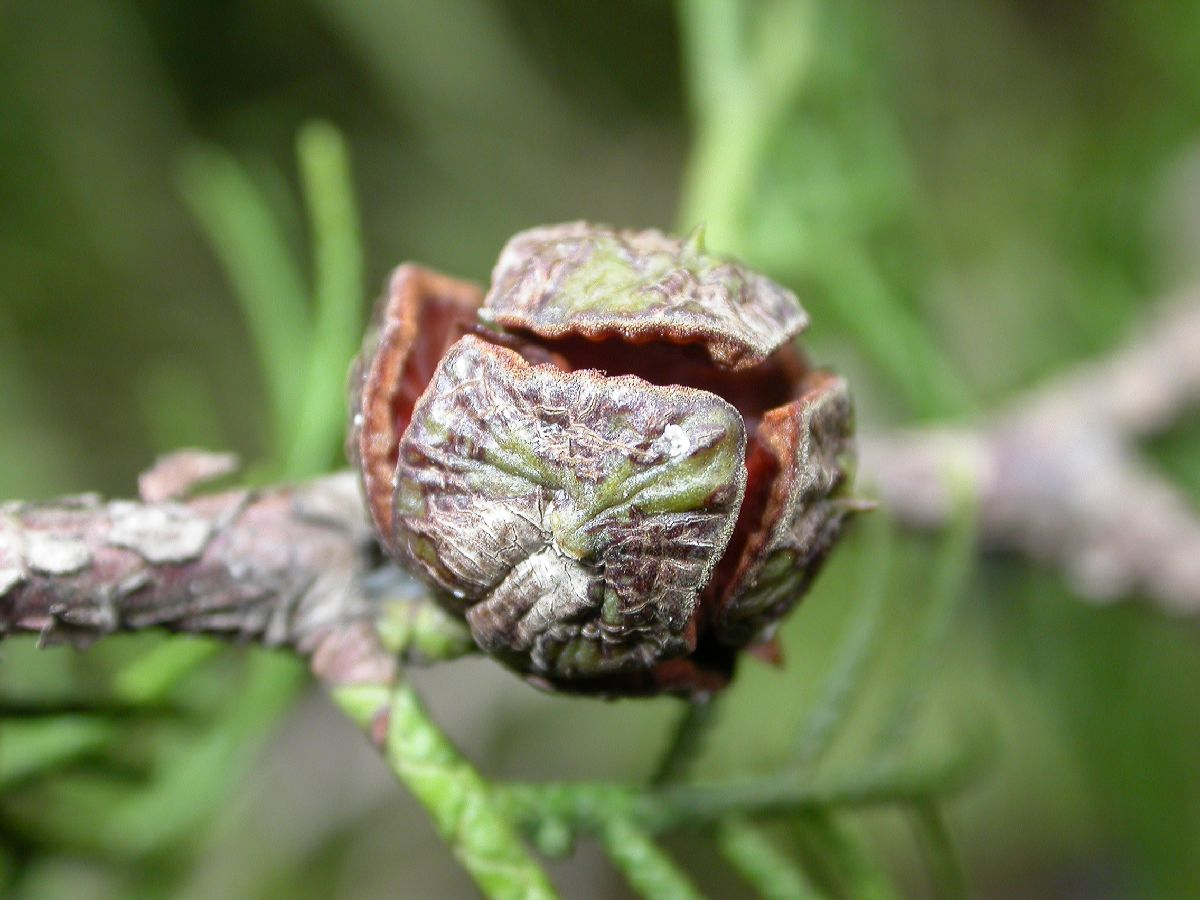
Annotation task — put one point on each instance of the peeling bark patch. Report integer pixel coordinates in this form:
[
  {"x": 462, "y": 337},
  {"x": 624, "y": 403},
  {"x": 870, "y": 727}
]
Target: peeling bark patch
[
  {"x": 274, "y": 577},
  {"x": 52, "y": 554},
  {"x": 175, "y": 475},
  {"x": 340, "y": 509},
  {"x": 9, "y": 579},
  {"x": 159, "y": 534}
]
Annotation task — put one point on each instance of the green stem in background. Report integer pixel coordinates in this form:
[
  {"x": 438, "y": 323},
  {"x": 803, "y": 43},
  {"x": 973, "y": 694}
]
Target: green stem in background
[
  {"x": 647, "y": 868},
  {"x": 151, "y": 677},
  {"x": 855, "y": 652},
  {"x": 183, "y": 794},
  {"x": 844, "y": 862},
  {"x": 338, "y": 276},
  {"x": 747, "y": 64},
  {"x": 303, "y": 353},
  {"x": 303, "y": 358},
  {"x": 945, "y": 867},
  {"x": 950, "y": 576},
  {"x": 744, "y": 64},
  {"x": 34, "y": 747},
  {"x": 31, "y": 748},
  {"x": 178, "y": 406},
  {"x": 588, "y": 807},
  {"x": 761, "y": 864},
  {"x": 98, "y": 815},
  {"x": 454, "y": 793},
  {"x": 686, "y": 741},
  {"x": 268, "y": 285},
  {"x": 887, "y": 330},
  {"x": 305, "y": 415}
]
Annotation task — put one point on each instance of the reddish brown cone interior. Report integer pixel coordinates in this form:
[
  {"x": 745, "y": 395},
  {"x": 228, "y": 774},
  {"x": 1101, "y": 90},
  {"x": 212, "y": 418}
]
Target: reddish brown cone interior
[
  {"x": 443, "y": 320},
  {"x": 752, "y": 391},
  {"x": 762, "y": 468}
]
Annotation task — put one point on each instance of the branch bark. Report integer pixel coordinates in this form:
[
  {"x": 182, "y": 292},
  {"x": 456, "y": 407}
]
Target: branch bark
[
  {"x": 282, "y": 566},
  {"x": 1059, "y": 475}
]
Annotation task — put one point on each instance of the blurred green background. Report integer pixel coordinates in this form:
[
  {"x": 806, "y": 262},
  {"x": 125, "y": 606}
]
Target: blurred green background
[{"x": 967, "y": 194}]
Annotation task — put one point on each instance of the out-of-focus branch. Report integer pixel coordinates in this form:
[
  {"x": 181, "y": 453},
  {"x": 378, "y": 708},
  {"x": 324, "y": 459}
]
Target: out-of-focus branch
[{"x": 1058, "y": 473}]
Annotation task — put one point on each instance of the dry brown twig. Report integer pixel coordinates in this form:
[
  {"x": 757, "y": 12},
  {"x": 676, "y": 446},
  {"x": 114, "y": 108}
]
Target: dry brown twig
[
  {"x": 1058, "y": 474},
  {"x": 282, "y": 567}
]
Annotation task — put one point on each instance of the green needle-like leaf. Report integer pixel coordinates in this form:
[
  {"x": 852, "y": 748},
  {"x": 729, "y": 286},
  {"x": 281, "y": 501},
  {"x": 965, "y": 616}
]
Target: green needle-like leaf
[
  {"x": 187, "y": 791},
  {"x": 267, "y": 282},
  {"x": 948, "y": 584},
  {"x": 338, "y": 276},
  {"x": 855, "y": 651},
  {"x": 149, "y": 678},
  {"x": 945, "y": 866},
  {"x": 846, "y": 863},
  {"x": 687, "y": 741},
  {"x": 648, "y": 869},
  {"x": 454, "y": 793},
  {"x": 761, "y": 863},
  {"x": 31, "y": 747}
]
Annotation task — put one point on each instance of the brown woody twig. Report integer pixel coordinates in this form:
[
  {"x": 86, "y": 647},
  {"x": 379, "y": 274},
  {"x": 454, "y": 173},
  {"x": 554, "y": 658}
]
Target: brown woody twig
[
  {"x": 1058, "y": 474},
  {"x": 282, "y": 566}
]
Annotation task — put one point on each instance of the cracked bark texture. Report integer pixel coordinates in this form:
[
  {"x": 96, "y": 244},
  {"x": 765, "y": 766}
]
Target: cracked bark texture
[{"x": 282, "y": 567}]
